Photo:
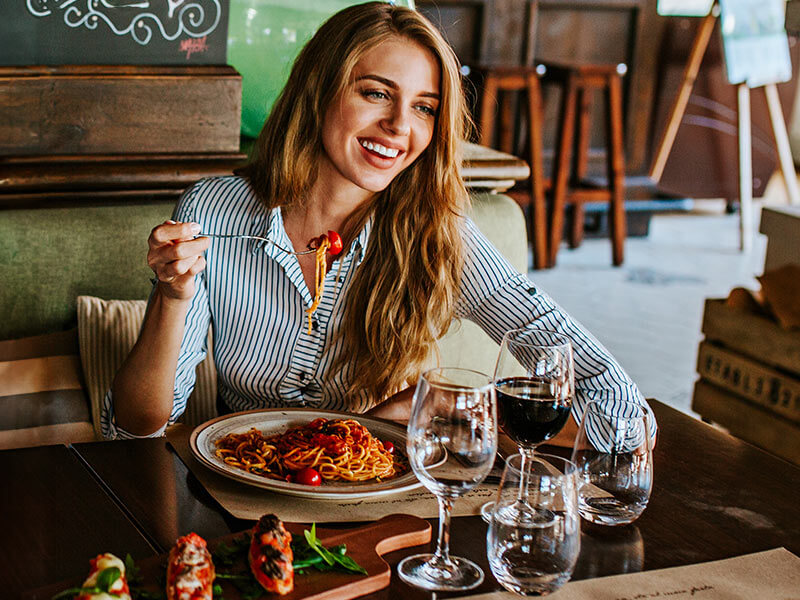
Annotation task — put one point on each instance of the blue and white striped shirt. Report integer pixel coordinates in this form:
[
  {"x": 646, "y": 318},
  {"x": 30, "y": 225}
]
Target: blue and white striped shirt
[{"x": 254, "y": 296}]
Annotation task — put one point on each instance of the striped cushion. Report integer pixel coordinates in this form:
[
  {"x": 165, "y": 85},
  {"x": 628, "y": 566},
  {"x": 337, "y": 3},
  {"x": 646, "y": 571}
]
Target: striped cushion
[
  {"x": 108, "y": 330},
  {"x": 41, "y": 397}
]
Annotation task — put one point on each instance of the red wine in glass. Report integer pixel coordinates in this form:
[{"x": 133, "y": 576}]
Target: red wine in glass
[{"x": 530, "y": 410}]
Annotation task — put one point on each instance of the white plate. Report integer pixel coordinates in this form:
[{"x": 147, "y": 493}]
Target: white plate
[{"x": 270, "y": 421}]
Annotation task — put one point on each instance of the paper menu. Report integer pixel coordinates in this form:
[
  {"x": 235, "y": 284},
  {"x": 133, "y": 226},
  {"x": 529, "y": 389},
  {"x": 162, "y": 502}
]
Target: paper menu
[{"x": 769, "y": 575}]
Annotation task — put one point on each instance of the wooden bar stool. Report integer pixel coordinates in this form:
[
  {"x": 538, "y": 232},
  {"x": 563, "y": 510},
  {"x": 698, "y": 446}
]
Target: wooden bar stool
[
  {"x": 578, "y": 83},
  {"x": 497, "y": 83}
]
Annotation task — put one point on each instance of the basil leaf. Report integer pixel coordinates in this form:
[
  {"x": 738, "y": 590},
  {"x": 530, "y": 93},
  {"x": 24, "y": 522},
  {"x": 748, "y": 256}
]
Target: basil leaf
[
  {"x": 349, "y": 564},
  {"x": 320, "y": 549},
  {"x": 107, "y": 577}
]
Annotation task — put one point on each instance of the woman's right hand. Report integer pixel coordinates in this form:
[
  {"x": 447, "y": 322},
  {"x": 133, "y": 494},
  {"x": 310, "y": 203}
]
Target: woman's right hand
[{"x": 175, "y": 256}]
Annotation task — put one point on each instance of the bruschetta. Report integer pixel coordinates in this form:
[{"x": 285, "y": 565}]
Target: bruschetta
[
  {"x": 190, "y": 570},
  {"x": 270, "y": 555},
  {"x": 98, "y": 577}
]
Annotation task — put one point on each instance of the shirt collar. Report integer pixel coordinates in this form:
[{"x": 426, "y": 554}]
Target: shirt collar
[
  {"x": 275, "y": 231},
  {"x": 360, "y": 241}
]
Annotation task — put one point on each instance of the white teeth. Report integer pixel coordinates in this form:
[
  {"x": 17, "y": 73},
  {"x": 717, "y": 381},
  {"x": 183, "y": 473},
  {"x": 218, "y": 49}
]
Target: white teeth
[{"x": 382, "y": 150}]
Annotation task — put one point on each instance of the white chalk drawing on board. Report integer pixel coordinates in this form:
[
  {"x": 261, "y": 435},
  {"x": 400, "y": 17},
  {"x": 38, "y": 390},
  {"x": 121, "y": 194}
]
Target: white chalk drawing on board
[{"x": 195, "y": 18}]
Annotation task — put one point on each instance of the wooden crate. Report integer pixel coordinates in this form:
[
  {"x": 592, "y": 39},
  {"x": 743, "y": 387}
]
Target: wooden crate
[
  {"x": 747, "y": 421},
  {"x": 753, "y": 336},
  {"x": 774, "y": 390},
  {"x": 781, "y": 225},
  {"x": 124, "y": 109},
  {"x": 749, "y": 382}
]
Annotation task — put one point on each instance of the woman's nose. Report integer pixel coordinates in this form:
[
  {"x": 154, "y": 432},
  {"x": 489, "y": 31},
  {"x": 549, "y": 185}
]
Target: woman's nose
[{"x": 398, "y": 121}]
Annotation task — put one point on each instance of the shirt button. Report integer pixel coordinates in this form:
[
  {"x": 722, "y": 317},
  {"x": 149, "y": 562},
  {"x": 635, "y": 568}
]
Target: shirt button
[
  {"x": 315, "y": 325},
  {"x": 302, "y": 376}
]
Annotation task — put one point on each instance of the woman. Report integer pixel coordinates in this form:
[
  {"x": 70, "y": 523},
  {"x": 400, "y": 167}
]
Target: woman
[{"x": 363, "y": 141}]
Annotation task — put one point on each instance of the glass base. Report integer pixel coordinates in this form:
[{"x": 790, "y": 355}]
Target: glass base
[
  {"x": 486, "y": 511},
  {"x": 519, "y": 512},
  {"x": 422, "y": 571},
  {"x": 609, "y": 511}
]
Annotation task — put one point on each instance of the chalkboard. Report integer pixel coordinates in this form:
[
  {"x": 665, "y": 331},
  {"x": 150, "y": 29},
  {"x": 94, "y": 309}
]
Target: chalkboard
[
  {"x": 144, "y": 32},
  {"x": 755, "y": 41}
]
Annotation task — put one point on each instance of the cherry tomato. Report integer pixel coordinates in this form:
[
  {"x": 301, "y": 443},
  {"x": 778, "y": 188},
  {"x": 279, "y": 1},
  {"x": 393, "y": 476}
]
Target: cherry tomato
[
  {"x": 289, "y": 478},
  {"x": 336, "y": 242},
  {"x": 308, "y": 476},
  {"x": 389, "y": 447}
]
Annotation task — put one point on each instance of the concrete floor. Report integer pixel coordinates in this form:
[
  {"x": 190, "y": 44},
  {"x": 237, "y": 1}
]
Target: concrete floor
[{"x": 648, "y": 312}]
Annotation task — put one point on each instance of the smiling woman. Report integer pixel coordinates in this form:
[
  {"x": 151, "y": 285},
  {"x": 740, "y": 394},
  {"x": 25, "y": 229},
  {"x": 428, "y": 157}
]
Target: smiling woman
[{"x": 364, "y": 140}]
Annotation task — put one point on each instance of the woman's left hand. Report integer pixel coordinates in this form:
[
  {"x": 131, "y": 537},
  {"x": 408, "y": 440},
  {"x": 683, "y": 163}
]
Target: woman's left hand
[{"x": 395, "y": 408}]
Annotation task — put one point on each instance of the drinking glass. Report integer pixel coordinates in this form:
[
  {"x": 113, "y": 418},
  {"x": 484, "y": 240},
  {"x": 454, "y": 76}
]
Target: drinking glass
[
  {"x": 452, "y": 441},
  {"x": 613, "y": 453},
  {"x": 535, "y": 383},
  {"x": 535, "y": 555}
]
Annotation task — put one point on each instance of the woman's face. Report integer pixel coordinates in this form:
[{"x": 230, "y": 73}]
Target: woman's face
[{"x": 384, "y": 119}]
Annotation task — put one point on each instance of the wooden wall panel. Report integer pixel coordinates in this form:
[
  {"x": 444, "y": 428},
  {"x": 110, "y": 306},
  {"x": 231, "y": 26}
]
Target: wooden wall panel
[{"x": 119, "y": 110}]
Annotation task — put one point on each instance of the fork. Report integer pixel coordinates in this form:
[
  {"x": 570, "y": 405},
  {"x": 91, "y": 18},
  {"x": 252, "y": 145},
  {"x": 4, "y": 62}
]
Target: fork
[{"x": 238, "y": 236}]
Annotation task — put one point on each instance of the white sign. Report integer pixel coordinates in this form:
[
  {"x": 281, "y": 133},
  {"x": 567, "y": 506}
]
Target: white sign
[
  {"x": 684, "y": 8},
  {"x": 755, "y": 41}
]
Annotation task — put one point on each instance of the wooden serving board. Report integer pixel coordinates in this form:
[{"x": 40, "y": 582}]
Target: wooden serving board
[{"x": 365, "y": 544}]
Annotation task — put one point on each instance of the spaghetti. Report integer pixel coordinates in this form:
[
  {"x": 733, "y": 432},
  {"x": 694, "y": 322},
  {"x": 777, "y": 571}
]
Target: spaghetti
[
  {"x": 319, "y": 280},
  {"x": 339, "y": 449}
]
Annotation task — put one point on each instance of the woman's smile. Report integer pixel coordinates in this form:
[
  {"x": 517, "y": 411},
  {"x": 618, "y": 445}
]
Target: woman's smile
[{"x": 375, "y": 147}]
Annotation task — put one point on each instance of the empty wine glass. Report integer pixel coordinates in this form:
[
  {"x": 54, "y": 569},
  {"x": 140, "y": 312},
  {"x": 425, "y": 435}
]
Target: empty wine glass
[
  {"x": 535, "y": 383},
  {"x": 452, "y": 440},
  {"x": 613, "y": 453},
  {"x": 535, "y": 554}
]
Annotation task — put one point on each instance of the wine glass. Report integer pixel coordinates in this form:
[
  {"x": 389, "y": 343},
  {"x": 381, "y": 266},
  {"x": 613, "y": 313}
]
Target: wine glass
[
  {"x": 535, "y": 555},
  {"x": 452, "y": 441},
  {"x": 535, "y": 383}
]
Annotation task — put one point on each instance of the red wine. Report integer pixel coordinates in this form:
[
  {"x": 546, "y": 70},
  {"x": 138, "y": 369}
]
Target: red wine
[{"x": 528, "y": 410}]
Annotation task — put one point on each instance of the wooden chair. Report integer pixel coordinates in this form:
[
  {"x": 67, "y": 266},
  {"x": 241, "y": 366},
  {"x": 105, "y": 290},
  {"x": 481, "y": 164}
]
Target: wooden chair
[
  {"x": 496, "y": 83},
  {"x": 578, "y": 82}
]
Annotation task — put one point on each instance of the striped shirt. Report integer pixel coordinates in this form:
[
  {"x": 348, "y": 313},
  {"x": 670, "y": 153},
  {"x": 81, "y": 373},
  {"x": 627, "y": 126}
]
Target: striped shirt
[{"x": 254, "y": 296}]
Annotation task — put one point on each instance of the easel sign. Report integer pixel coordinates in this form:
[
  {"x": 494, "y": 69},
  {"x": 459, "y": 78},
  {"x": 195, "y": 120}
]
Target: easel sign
[
  {"x": 755, "y": 42},
  {"x": 757, "y": 55},
  {"x": 684, "y": 8}
]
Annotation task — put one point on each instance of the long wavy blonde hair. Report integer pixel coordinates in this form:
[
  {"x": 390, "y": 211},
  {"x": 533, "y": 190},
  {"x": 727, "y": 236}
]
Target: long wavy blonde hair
[{"x": 403, "y": 296}]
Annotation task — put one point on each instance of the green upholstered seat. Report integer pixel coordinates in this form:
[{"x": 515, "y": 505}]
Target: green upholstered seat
[{"x": 50, "y": 256}]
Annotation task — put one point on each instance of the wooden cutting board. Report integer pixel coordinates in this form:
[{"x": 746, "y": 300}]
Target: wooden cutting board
[{"x": 365, "y": 544}]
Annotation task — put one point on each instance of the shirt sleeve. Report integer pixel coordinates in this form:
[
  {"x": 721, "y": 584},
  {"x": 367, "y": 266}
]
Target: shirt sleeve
[
  {"x": 498, "y": 298},
  {"x": 194, "y": 345}
]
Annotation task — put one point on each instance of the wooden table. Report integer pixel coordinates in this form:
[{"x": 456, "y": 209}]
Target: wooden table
[
  {"x": 715, "y": 497},
  {"x": 484, "y": 168}
]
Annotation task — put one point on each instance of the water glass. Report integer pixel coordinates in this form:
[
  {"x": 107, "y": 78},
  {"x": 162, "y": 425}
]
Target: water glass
[
  {"x": 535, "y": 554},
  {"x": 452, "y": 442},
  {"x": 613, "y": 453}
]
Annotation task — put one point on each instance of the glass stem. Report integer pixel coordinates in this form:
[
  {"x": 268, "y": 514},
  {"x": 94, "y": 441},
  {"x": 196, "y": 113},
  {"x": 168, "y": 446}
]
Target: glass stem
[
  {"x": 442, "y": 554},
  {"x": 526, "y": 456}
]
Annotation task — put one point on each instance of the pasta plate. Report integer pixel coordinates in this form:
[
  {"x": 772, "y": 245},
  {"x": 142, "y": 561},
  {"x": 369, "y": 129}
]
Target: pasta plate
[{"x": 271, "y": 421}]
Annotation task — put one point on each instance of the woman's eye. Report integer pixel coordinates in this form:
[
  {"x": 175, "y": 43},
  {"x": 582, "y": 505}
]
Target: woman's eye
[
  {"x": 427, "y": 110},
  {"x": 375, "y": 94}
]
